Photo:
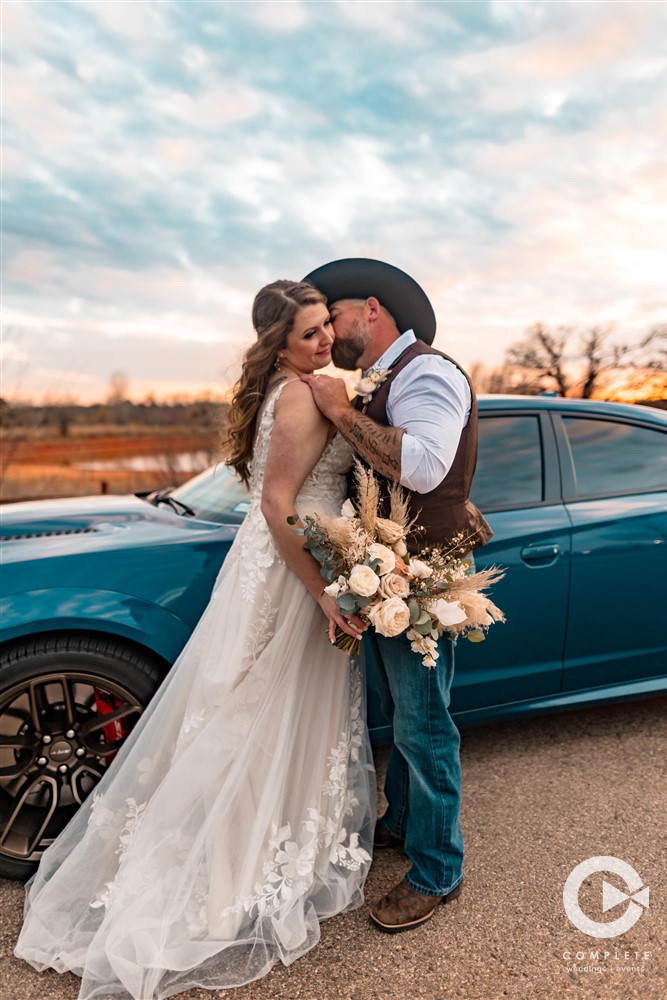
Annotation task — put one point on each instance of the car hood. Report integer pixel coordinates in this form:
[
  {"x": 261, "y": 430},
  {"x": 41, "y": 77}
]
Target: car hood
[
  {"x": 76, "y": 514},
  {"x": 96, "y": 518}
]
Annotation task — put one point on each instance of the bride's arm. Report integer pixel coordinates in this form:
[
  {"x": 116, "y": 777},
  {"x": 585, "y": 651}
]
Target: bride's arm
[{"x": 298, "y": 438}]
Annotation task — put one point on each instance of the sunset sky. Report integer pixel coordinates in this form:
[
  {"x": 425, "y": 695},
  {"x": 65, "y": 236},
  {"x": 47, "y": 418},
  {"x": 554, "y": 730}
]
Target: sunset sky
[{"x": 163, "y": 160}]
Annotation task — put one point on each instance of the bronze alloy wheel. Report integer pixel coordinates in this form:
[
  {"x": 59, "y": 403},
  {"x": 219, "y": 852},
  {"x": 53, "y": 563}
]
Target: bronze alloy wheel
[{"x": 60, "y": 728}]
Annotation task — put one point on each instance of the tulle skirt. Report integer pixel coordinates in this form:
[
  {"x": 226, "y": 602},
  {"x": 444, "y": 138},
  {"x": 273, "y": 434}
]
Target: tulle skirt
[{"x": 237, "y": 816}]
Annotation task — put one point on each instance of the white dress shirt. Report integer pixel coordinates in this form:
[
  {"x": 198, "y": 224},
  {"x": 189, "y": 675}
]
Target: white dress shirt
[{"x": 430, "y": 399}]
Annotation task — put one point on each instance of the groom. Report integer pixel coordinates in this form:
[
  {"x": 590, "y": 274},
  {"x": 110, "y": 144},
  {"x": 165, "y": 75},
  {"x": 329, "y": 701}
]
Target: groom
[{"x": 420, "y": 430}]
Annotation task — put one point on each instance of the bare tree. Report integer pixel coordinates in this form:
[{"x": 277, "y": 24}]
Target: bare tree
[
  {"x": 543, "y": 351},
  {"x": 118, "y": 386},
  {"x": 505, "y": 379},
  {"x": 577, "y": 362}
]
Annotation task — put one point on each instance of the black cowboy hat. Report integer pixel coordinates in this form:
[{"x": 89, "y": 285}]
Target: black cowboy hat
[{"x": 361, "y": 278}]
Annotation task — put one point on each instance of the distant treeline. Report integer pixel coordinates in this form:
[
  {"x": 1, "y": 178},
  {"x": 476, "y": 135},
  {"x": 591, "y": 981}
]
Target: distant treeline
[
  {"x": 206, "y": 415},
  {"x": 203, "y": 414}
]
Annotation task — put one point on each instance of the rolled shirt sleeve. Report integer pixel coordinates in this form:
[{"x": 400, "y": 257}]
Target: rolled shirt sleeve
[{"x": 430, "y": 399}]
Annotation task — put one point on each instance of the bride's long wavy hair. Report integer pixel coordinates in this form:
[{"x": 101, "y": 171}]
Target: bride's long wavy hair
[{"x": 274, "y": 310}]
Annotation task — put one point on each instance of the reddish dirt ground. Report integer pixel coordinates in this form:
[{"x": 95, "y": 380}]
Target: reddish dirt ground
[{"x": 101, "y": 447}]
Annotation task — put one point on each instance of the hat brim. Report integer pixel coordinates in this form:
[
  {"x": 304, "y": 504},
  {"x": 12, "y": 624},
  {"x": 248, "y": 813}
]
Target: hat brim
[{"x": 362, "y": 277}]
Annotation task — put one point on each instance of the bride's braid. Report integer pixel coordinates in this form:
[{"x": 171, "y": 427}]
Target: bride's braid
[{"x": 273, "y": 313}]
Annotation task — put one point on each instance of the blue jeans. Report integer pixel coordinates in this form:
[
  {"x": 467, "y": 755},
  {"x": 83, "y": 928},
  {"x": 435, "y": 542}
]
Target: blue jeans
[{"x": 423, "y": 784}]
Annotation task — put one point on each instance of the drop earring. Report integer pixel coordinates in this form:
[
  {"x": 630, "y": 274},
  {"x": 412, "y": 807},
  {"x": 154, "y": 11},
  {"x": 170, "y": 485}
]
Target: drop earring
[{"x": 276, "y": 363}]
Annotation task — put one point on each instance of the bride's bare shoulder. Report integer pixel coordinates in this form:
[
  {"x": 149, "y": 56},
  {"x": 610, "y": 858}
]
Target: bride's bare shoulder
[
  {"x": 296, "y": 397},
  {"x": 297, "y": 418}
]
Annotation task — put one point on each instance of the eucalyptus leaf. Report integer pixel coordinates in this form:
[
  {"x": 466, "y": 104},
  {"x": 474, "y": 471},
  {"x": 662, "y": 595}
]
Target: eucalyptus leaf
[
  {"x": 424, "y": 629},
  {"x": 347, "y": 602},
  {"x": 415, "y": 611},
  {"x": 293, "y": 518}
]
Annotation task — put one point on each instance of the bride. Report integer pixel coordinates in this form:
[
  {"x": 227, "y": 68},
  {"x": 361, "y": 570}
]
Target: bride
[{"x": 239, "y": 812}]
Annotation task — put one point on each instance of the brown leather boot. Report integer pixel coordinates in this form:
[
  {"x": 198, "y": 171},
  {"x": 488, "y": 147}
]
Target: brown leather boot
[
  {"x": 403, "y": 908},
  {"x": 382, "y": 838}
]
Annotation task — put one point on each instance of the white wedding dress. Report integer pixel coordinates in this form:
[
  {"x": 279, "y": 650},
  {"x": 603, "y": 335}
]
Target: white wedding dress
[{"x": 240, "y": 811}]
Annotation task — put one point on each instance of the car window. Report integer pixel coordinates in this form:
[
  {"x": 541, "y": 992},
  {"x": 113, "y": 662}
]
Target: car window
[
  {"x": 614, "y": 457},
  {"x": 509, "y": 462},
  {"x": 215, "y": 495}
]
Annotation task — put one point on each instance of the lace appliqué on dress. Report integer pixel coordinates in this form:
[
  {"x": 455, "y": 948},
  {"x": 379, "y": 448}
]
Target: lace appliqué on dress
[
  {"x": 291, "y": 869},
  {"x": 260, "y": 632},
  {"x": 257, "y": 554},
  {"x": 103, "y": 819}
]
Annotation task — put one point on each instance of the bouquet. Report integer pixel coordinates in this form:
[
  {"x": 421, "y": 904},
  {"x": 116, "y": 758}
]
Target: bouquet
[{"x": 364, "y": 559}]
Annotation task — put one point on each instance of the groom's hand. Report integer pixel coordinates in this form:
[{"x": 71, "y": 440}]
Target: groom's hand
[
  {"x": 379, "y": 446},
  {"x": 330, "y": 395}
]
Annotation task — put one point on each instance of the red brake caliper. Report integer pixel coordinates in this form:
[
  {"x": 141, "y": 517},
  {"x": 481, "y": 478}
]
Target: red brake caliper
[{"x": 107, "y": 703}]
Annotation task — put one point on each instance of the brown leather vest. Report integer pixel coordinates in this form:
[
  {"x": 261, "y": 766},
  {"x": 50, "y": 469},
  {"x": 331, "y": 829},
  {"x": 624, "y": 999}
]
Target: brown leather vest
[{"x": 447, "y": 510}]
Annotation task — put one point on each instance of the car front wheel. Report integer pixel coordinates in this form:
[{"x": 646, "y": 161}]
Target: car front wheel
[{"x": 67, "y": 703}]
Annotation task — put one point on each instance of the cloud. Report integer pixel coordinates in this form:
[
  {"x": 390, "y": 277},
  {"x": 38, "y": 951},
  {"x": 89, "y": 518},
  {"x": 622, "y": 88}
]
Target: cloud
[
  {"x": 281, "y": 16},
  {"x": 163, "y": 161},
  {"x": 19, "y": 22},
  {"x": 579, "y": 52},
  {"x": 395, "y": 22},
  {"x": 142, "y": 25}
]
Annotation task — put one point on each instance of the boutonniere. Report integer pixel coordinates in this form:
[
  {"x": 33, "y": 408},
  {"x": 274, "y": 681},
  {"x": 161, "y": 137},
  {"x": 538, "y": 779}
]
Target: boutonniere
[{"x": 365, "y": 387}]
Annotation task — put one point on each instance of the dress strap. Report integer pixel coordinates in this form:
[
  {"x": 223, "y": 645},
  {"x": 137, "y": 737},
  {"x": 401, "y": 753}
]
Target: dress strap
[{"x": 273, "y": 395}]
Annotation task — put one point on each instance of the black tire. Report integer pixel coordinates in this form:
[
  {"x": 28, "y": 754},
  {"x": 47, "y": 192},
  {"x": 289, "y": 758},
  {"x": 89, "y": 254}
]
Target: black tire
[{"x": 55, "y": 693}]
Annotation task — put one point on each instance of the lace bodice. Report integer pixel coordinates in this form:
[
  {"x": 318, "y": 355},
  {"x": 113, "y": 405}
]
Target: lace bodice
[
  {"x": 325, "y": 489},
  {"x": 326, "y": 486}
]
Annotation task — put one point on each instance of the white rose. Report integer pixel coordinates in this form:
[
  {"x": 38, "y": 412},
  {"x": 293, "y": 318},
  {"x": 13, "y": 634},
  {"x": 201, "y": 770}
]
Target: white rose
[
  {"x": 347, "y": 510},
  {"x": 363, "y": 581},
  {"x": 385, "y": 555},
  {"x": 389, "y": 531},
  {"x": 390, "y": 617},
  {"x": 419, "y": 569},
  {"x": 393, "y": 585},
  {"x": 447, "y": 612}
]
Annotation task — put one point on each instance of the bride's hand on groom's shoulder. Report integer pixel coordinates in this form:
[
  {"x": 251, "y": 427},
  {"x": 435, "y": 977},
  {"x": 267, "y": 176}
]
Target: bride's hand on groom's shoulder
[{"x": 330, "y": 394}]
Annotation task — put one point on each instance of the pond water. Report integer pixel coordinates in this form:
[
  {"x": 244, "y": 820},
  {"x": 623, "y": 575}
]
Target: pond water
[{"x": 185, "y": 461}]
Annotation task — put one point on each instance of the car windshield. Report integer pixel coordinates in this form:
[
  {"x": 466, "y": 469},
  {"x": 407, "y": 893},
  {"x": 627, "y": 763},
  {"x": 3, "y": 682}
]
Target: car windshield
[{"x": 215, "y": 495}]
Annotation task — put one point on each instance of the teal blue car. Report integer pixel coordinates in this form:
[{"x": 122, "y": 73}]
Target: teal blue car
[{"x": 99, "y": 595}]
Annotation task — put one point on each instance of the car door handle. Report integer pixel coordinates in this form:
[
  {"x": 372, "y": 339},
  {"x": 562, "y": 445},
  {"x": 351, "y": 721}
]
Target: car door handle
[{"x": 540, "y": 555}]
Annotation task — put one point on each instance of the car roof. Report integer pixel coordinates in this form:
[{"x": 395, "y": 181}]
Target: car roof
[{"x": 594, "y": 407}]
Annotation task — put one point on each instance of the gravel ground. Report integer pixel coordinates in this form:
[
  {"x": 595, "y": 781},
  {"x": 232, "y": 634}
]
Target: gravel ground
[{"x": 540, "y": 796}]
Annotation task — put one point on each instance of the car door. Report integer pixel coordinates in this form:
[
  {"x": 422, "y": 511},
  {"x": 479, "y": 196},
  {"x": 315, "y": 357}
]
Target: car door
[
  {"x": 517, "y": 485},
  {"x": 615, "y": 480}
]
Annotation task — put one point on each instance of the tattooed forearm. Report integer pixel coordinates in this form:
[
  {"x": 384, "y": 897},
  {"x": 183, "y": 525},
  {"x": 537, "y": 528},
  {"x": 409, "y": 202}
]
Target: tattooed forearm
[{"x": 378, "y": 445}]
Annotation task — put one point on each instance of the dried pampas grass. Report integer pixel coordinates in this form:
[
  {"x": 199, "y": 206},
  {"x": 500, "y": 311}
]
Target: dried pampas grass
[
  {"x": 398, "y": 506},
  {"x": 368, "y": 496},
  {"x": 345, "y": 536},
  {"x": 479, "y": 608}
]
